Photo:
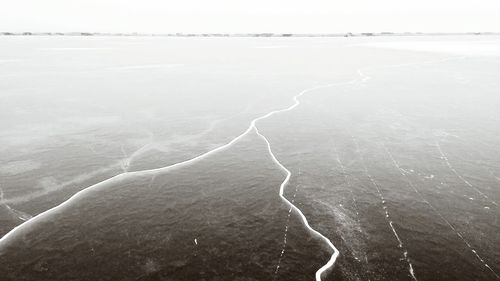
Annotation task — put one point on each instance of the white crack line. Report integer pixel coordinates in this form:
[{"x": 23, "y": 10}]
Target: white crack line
[{"x": 151, "y": 172}]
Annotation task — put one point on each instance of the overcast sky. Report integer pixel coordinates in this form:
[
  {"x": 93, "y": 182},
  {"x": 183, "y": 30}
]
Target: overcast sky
[{"x": 314, "y": 16}]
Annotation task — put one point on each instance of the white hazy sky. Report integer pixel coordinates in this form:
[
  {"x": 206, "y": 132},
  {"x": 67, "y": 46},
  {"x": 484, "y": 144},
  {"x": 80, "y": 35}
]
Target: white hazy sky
[{"x": 314, "y": 16}]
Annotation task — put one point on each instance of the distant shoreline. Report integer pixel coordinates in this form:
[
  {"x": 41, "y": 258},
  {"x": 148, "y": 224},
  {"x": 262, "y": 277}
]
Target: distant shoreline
[{"x": 348, "y": 34}]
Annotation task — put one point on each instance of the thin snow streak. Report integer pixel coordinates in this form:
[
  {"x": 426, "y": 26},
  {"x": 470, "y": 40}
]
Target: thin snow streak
[{"x": 18, "y": 214}]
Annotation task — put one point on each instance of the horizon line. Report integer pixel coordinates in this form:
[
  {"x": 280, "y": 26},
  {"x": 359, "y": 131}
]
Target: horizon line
[{"x": 243, "y": 34}]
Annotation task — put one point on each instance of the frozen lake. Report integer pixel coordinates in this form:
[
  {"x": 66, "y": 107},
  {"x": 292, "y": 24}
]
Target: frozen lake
[{"x": 391, "y": 144}]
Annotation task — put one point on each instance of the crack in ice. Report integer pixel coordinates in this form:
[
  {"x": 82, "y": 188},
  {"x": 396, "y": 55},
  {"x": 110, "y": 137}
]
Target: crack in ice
[
  {"x": 282, "y": 253},
  {"x": 152, "y": 172},
  {"x": 348, "y": 182},
  {"x": 446, "y": 160},
  {"x": 350, "y": 187},
  {"x": 386, "y": 210},
  {"x": 335, "y": 254},
  {"x": 252, "y": 126},
  {"x": 404, "y": 174}
]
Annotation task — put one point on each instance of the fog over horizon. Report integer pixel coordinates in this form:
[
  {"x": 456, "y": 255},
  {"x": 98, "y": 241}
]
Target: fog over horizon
[{"x": 224, "y": 16}]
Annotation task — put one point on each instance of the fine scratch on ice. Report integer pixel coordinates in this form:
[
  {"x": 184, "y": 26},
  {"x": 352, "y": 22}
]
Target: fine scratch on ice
[
  {"x": 445, "y": 158},
  {"x": 386, "y": 210},
  {"x": 350, "y": 187},
  {"x": 282, "y": 253},
  {"x": 346, "y": 178},
  {"x": 404, "y": 174}
]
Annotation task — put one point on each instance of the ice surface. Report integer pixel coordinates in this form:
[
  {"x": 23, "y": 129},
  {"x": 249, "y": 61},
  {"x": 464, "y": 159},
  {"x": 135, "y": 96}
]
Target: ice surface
[{"x": 250, "y": 158}]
